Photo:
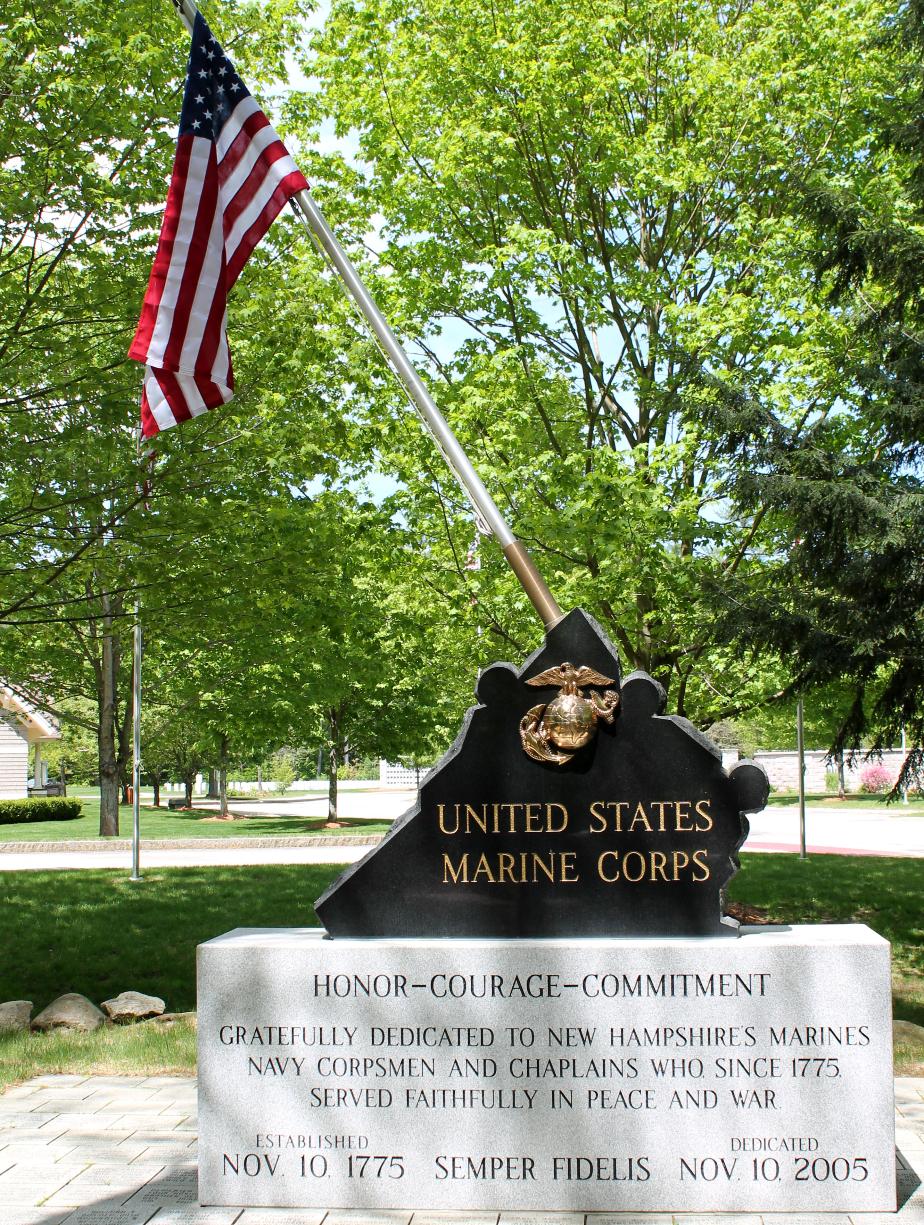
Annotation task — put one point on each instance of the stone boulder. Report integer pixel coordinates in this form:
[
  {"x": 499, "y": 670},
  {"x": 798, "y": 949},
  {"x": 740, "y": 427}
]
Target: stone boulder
[
  {"x": 169, "y": 1019},
  {"x": 70, "y": 1011},
  {"x": 907, "y": 1031},
  {"x": 15, "y": 1014},
  {"x": 131, "y": 1006}
]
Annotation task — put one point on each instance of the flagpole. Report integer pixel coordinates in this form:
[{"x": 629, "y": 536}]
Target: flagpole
[
  {"x": 516, "y": 553},
  {"x": 136, "y": 746}
]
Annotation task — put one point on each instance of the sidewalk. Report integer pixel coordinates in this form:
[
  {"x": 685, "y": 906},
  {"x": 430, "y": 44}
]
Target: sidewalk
[
  {"x": 839, "y": 832},
  {"x": 121, "y": 1150}
]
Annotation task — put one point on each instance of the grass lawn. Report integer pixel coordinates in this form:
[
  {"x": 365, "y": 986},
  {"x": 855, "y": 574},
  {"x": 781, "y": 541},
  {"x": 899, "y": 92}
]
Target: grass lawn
[
  {"x": 117, "y": 1050},
  {"x": 161, "y": 823},
  {"x": 823, "y": 799},
  {"x": 95, "y": 932}
]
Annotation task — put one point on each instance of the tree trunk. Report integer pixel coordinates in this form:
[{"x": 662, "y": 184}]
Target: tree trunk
[
  {"x": 332, "y": 785},
  {"x": 841, "y": 780},
  {"x": 214, "y": 791},
  {"x": 108, "y": 759},
  {"x": 222, "y": 777},
  {"x": 333, "y": 760},
  {"x": 188, "y": 782},
  {"x": 155, "y": 779}
]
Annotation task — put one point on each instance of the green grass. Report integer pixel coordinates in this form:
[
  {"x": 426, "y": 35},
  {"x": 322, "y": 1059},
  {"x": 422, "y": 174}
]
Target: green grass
[
  {"x": 120, "y": 1050},
  {"x": 824, "y": 799},
  {"x": 161, "y": 823},
  {"x": 95, "y": 932}
]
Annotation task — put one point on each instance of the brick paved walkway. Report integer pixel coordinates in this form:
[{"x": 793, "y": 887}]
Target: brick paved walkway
[{"x": 121, "y": 1150}]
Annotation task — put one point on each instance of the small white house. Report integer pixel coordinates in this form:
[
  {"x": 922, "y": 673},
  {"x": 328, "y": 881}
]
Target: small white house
[{"x": 21, "y": 728}]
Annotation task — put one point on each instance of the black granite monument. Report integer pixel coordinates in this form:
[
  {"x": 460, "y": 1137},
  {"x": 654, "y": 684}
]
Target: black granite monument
[{"x": 567, "y": 806}]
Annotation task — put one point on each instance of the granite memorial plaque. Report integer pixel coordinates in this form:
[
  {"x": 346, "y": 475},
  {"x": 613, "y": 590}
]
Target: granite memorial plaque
[
  {"x": 568, "y": 805},
  {"x": 602, "y": 1074},
  {"x": 527, "y": 998}
]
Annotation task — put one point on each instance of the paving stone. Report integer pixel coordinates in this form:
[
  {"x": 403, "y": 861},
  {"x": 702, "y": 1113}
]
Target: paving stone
[
  {"x": 286, "y": 1216},
  {"x": 109, "y": 1214},
  {"x": 48, "y": 1170},
  {"x": 282, "y": 1216},
  {"x": 541, "y": 1218},
  {"x": 356, "y": 1216},
  {"x": 91, "y": 1136},
  {"x": 48, "y": 1131},
  {"x": 150, "y": 1135},
  {"x": 627, "y": 1218},
  {"x": 137, "y": 1121},
  {"x": 197, "y": 1216},
  {"x": 452, "y": 1218},
  {"x": 810, "y": 1218},
  {"x": 714, "y": 1218},
  {"x": 30, "y": 1188},
  {"x": 34, "y": 1216},
  {"x": 88, "y": 1120},
  {"x": 155, "y": 1192},
  {"x": 110, "y": 1154},
  {"x": 31, "y": 1153},
  {"x": 117, "y": 1176},
  {"x": 63, "y": 1105},
  {"x": 132, "y": 1105}
]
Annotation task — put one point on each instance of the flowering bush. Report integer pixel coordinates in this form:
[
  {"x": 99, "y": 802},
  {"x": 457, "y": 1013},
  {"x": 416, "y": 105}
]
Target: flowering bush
[{"x": 876, "y": 779}]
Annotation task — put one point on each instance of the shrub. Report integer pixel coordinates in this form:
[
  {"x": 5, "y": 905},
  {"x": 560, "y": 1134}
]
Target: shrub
[
  {"x": 831, "y": 780},
  {"x": 42, "y": 808},
  {"x": 875, "y": 779}
]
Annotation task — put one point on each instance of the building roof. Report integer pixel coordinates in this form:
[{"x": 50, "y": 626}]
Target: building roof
[{"x": 33, "y": 724}]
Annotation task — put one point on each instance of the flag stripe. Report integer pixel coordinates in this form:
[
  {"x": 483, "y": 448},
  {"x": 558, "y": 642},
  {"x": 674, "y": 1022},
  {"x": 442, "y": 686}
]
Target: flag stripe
[
  {"x": 164, "y": 256},
  {"x": 231, "y": 176},
  {"x": 255, "y": 134},
  {"x": 288, "y": 187},
  {"x": 205, "y": 289},
  {"x": 199, "y": 264},
  {"x": 262, "y": 191},
  {"x": 238, "y": 117},
  {"x": 265, "y": 150},
  {"x": 199, "y": 160}
]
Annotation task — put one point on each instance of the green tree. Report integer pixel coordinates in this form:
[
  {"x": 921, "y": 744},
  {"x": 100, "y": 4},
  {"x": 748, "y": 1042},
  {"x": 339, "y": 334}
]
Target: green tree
[
  {"x": 90, "y": 104},
  {"x": 585, "y": 233},
  {"x": 845, "y": 609}
]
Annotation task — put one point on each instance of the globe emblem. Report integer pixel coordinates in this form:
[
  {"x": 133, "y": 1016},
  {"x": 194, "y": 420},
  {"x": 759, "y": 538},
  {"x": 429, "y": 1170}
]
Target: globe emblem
[{"x": 570, "y": 721}]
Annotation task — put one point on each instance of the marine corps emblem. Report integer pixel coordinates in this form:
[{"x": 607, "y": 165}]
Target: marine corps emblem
[{"x": 554, "y": 732}]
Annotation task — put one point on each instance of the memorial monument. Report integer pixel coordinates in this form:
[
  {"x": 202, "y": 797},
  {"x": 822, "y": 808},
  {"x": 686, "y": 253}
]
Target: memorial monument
[{"x": 528, "y": 997}]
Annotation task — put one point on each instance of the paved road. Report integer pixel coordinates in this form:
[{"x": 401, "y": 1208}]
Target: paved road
[{"x": 845, "y": 831}]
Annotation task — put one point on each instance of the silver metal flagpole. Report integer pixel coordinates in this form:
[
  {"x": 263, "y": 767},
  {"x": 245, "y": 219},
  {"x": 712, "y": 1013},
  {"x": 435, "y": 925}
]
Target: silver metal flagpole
[
  {"x": 516, "y": 553},
  {"x": 136, "y": 746},
  {"x": 800, "y": 747}
]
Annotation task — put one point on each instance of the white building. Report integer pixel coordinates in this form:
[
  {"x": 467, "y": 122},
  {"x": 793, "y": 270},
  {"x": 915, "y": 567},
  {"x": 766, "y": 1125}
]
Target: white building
[{"x": 21, "y": 728}]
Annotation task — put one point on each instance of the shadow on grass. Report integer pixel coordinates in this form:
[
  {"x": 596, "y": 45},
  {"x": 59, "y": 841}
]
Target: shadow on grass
[
  {"x": 203, "y": 821},
  {"x": 97, "y": 933}
]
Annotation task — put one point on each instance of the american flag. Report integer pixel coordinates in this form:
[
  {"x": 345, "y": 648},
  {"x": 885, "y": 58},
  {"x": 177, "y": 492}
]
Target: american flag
[{"x": 231, "y": 177}]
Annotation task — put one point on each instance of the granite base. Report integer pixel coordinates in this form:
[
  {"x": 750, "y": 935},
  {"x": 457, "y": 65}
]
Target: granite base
[{"x": 625, "y": 1075}]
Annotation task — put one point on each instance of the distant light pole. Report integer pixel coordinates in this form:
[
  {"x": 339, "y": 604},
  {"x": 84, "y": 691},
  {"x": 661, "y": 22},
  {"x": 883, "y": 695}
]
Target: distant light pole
[{"x": 800, "y": 744}]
